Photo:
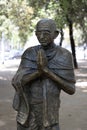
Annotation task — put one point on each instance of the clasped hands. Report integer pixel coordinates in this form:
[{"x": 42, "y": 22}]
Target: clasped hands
[{"x": 41, "y": 62}]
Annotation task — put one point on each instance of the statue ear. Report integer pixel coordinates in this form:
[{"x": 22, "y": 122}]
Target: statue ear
[{"x": 56, "y": 33}]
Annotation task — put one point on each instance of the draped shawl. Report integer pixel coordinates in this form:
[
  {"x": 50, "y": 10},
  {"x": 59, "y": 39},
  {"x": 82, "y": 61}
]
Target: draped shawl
[{"x": 59, "y": 62}]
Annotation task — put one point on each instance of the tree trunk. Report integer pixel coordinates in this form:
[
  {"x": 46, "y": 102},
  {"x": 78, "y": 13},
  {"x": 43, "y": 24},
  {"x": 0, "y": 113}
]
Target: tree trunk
[
  {"x": 62, "y": 37},
  {"x": 72, "y": 43}
]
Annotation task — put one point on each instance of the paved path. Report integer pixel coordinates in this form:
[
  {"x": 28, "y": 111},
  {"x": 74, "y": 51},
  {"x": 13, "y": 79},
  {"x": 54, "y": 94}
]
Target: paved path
[{"x": 73, "y": 110}]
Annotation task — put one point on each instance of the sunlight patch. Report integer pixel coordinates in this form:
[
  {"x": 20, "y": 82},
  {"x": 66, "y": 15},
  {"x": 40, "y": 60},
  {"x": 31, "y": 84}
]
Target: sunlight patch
[
  {"x": 84, "y": 91},
  {"x": 83, "y": 75},
  {"x": 81, "y": 84},
  {"x": 9, "y": 69},
  {"x": 2, "y": 78}
]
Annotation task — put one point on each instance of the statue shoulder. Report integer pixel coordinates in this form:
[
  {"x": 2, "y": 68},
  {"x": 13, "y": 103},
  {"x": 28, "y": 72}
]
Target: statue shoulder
[
  {"x": 65, "y": 56},
  {"x": 64, "y": 52},
  {"x": 30, "y": 52}
]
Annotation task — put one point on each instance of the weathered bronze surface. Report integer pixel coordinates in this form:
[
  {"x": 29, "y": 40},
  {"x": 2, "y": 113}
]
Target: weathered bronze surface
[{"x": 44, "y": 71}]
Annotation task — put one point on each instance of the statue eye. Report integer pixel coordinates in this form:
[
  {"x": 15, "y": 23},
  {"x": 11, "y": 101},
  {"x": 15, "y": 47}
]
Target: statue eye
[{"x": 45, "y": 33}]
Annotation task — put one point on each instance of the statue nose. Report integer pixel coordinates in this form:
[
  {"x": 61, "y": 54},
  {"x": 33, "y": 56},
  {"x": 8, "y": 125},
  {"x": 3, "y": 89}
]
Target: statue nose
[{"x": 42, "y": 35}]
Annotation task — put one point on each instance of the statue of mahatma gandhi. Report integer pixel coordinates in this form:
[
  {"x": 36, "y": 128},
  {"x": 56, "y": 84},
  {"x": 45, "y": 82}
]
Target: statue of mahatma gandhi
[{"x": 44, "y": 71}]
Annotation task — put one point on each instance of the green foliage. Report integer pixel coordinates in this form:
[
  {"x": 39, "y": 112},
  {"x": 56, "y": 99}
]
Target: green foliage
[
  {"x": 20, "y": 13},
  {"x": 75, "y": 11}
]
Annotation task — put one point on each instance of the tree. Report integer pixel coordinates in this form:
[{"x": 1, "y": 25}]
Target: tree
[
  {"x": 16, "y": 15},
  {"x": 20, "y": 13}
]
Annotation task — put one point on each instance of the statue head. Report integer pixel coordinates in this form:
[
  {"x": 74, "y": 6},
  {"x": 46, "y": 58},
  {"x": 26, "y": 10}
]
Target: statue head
[{"x": 46, "y": 31}]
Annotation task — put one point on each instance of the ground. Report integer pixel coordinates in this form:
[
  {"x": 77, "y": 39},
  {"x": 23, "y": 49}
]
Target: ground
[{"x": 73, "y": 109}]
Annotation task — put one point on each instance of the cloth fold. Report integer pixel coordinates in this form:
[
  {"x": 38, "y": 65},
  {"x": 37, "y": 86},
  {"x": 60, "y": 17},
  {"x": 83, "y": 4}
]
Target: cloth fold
[{"x": 59, "y": 62}]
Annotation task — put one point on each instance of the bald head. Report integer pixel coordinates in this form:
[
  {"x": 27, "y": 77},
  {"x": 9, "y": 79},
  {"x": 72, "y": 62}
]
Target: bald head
[{"x": 46, "y": 23}]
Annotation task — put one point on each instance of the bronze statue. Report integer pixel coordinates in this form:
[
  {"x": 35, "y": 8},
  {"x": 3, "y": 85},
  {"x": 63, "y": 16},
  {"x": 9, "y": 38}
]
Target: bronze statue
[{"x": 44, "y": 71}]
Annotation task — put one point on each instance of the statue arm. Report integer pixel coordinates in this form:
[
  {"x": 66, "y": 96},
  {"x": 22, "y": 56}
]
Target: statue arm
[
  {"x": 20, "y": 80},
  {"x": 68, "y": 87},
  {"x": 25, "y": 73},
  {"x": 30, "y": 77}
]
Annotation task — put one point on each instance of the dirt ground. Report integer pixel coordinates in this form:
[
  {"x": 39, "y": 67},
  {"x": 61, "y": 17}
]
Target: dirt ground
[{"x": 73, "y": 109}]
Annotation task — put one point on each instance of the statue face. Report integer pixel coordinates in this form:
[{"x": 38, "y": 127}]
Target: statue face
[{"x": 44, "y": 34}]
